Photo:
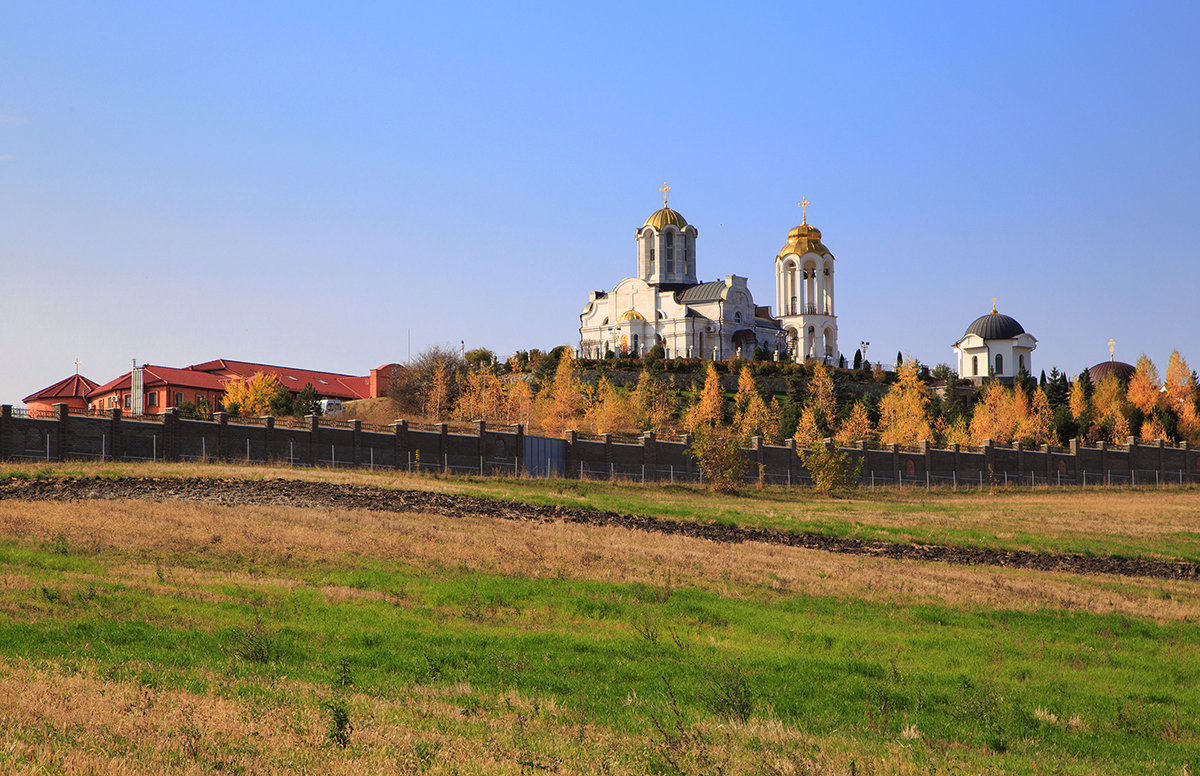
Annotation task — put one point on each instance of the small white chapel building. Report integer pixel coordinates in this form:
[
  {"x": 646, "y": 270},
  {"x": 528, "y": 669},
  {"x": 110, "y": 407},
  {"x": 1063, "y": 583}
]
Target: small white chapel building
[{"x": 994, "y": 344}]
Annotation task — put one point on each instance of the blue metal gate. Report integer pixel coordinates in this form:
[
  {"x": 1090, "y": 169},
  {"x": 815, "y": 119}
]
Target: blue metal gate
[{"x": 545, "y": 457}]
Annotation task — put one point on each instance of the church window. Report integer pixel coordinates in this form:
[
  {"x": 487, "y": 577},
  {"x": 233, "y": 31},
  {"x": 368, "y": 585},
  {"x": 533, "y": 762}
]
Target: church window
[
  {"x": 999, "y": 364},
  {"x": 152, "y": 399},
  {"x": 652, "y": 259},
  {"x": 737, "y": 317},
  {"x": 974, "y": 365},
  {"x": 1021, "y": 361},
  {"x": 604, "y": 322},
  {"x": 670, "y": 257}
]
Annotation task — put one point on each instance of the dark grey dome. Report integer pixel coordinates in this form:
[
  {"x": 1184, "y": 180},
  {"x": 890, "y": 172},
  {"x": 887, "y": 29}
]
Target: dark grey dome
[{"x": 994, "y": 325}]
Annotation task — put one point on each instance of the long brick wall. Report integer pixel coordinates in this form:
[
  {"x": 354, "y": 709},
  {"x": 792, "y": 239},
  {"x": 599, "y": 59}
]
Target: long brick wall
[{"x": 319, "y": 442}]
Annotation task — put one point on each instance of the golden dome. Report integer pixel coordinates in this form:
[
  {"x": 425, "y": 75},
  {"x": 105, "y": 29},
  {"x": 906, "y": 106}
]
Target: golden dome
[
  {"x": 631, "y": 315},
  {"x": 803, "y": 239},
  {"x": 666, "y": 217}
]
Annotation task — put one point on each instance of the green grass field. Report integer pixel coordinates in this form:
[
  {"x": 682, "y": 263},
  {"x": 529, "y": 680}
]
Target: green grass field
[{"x": 172, "y": 637}]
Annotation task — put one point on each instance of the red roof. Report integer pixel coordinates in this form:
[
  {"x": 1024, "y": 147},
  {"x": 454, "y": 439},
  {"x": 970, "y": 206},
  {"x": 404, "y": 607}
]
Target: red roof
[
  {"x": 155, "y": 376},
  {"x": 75, "y": 386},
  {"x": 328, "y": 384}
]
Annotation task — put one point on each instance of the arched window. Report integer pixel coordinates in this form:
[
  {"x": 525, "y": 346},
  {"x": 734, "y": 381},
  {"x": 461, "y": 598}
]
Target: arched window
[
  {"x": 670, "y": 257},
  {"x": 974, "y": 365},
  {"x": 635, "y": 345},
  {"x": 999, "y": 364},
  {"x": 1021, "y": 360},
  {"x": 737, "y": 317}
]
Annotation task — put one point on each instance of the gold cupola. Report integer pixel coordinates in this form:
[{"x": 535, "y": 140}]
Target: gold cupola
[
  {"x": 803, "y": 239},
  {"x": 665, "y": 217}
]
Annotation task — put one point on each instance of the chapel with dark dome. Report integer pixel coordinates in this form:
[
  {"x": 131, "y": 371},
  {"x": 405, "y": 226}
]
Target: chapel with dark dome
[{"x": 994, "y": 344}]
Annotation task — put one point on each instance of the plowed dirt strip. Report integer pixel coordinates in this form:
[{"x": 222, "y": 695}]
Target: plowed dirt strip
[{"x": 319, "y": 495}]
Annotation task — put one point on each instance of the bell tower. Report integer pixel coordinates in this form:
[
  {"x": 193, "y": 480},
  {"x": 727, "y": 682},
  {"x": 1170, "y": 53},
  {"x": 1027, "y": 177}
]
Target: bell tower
[{"x": 804, "y": 273}]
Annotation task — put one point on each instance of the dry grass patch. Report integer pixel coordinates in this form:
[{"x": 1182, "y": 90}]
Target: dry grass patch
[
  {"x": 80, "y": 722},
  {"x": 163, "y": 543}
]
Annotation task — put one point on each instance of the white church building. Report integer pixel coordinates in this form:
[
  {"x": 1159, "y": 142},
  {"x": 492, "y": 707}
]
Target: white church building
[{"x": 665, "y": 303}]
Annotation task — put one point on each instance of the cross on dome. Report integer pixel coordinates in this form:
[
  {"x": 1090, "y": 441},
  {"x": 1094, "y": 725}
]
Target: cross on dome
[
  {"x": 1112, "y": 344},
  {"x": 665, "y": 189},
  {"x": 993, "y": 305},
  {"x": 803, "y": 205}
]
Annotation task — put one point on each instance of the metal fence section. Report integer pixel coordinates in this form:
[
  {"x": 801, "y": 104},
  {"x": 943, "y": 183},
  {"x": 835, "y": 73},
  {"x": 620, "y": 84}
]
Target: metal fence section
[{"x": 545, "y": 456}]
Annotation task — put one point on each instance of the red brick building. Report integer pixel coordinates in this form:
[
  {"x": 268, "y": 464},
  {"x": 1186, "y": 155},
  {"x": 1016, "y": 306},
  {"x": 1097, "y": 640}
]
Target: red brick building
[
  {"x": 162, "y": 387},
  {"x": 204, "y": 383}
]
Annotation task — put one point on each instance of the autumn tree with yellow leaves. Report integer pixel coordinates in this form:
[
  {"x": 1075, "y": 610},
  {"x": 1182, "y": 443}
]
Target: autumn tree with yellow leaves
[
  {"x": 652, "y": 403},
  {"x": 709, "y": 409},
  {"x": 251, "y": 397},
  {"x": 904, "y": 411},
  {"x": 751, "y": 417},
  {"x": 609, "y": 411},
  {"x": 560, "y": 404}
]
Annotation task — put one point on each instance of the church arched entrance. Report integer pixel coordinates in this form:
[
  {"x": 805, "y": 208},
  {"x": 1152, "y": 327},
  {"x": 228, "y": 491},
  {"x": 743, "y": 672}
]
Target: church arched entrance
[{"x": 745, "y": 340}]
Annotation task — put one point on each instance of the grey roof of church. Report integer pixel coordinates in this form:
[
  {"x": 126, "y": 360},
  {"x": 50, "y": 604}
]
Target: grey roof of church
[
  {"x": 703, "y": 292},
  {"x": 995, "y": 326}
]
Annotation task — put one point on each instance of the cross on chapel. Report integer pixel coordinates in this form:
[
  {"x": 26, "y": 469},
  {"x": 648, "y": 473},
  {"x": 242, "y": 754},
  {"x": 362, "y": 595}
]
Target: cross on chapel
[
  {"x": 803, "y": 205},
  {"x": 665, "y": 188}
]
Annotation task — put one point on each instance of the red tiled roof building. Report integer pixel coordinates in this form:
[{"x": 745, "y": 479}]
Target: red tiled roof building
[{"x": 73, "y": 392}]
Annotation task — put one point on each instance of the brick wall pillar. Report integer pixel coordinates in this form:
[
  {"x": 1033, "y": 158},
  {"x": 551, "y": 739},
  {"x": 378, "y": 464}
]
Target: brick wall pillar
[
  {"x": 481, "y": 442},
  {"x": 400, "y": 444},
  {"x": 688, "y": 461},
  {"x": 519, "y": 452},
  {"x": 650, "y": 456},
  {"x": 443, "y": 446},
  {"x": 1046, "y": 462},
  {"x": 608, "y": 457},
  {"x": 314, "y": 426},
  {"x": 573, "y": 467},
  {"x": 1158, "y": 466},
  {"x": 62, "y": 415},
  {"x": 170, "y": 433},
  {"x": 1187, "y": 456},
  {"x": 928, "y": 456},
  {"x": 222, "y": 451},
  {"x": 6, "y": 431},
  {"x": 356, "y": 440},
  {"x": 1020, "y": 460},
  {"x": 793, "y": 466},
  {"x": 268, "y": 438},
  {"x": 756, "y": 451},
  {"x": 989, "y": 459},
  {"x": 895, "y": 451},
  {"x": 1103, "y": 457},
  {"x": 956, "y": 460},
  {"x": 115, "y": 445}
]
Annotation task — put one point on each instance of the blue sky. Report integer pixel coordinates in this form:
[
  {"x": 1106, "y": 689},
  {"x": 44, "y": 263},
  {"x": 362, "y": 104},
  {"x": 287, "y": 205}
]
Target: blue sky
[{"x": 304, "y": 184}]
